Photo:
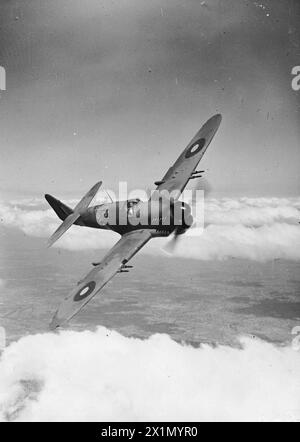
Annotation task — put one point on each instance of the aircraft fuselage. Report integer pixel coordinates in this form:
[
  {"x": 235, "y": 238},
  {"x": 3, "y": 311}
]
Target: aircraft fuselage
[{"x": 123, "y": 216}]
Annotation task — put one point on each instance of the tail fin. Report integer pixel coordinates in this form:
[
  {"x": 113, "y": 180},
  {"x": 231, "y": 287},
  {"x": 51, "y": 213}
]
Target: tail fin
[{"x": 61, "y": 209}]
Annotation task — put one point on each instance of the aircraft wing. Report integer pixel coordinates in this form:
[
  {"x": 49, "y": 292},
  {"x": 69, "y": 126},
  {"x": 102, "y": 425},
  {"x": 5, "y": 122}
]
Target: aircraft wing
[
  {"x": 179, "y": 174},
  {"x": 98, "y": 277}
]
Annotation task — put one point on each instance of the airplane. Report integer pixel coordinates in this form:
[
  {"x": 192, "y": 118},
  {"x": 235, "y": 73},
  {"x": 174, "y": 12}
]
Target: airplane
[{"x": 136, "y": 221}]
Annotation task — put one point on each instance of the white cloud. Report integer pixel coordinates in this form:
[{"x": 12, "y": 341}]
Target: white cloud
[
  {"x": 252, "y": 211},
  {"x": 253, "y": 228},
  {"x": 31, "y": 222},
  {"x": 277, "y": 241},
  {"x": 102, "y": 375}
]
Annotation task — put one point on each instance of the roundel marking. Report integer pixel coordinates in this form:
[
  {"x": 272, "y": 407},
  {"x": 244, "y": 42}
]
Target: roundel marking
[
  {"x": 195, "y": 148},
  {"x": 85, "y": 291}
]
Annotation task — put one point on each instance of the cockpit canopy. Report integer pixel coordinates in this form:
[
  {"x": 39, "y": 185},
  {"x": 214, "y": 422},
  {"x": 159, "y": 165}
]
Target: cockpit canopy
[
  {"x": 131, "y": 205},
  {"x": 132, "y": 202}
]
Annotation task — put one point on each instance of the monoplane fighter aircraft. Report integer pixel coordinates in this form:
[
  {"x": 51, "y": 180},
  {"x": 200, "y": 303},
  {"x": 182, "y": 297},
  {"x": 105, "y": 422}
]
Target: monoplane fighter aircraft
[{"x": 135, "y": 220}]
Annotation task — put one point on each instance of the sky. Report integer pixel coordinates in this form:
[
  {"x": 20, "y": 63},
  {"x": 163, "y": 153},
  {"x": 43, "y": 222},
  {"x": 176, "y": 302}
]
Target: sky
[{"x": 115, "y": 90}]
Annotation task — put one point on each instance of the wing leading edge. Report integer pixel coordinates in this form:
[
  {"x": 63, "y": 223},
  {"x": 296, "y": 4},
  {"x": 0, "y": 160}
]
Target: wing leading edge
[
  {"x": 179, "y": 174},
  {"x": 100, "y": 275}
]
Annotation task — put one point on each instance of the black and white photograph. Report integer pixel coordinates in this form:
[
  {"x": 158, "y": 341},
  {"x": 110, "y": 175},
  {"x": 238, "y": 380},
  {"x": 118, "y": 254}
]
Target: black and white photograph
[{"x": 149, "y": 214}]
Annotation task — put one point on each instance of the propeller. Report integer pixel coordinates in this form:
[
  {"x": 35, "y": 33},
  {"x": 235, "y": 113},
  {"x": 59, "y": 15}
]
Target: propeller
[
  {"x": 172, "y": 244},
  {"x": 198, "y": 184},
  {"x": 181, "y": 229},
  {"x": 73, "y": 217}
]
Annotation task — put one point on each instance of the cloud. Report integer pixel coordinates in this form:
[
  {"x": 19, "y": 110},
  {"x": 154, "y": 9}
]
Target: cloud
[
  {"x": 31, "y": 222},
  {"x": 260, "y": 229},
  {"x": 278, "y": 241},
  {"x": 104, "y": 376},
  {"x": 252, "y": 211}
]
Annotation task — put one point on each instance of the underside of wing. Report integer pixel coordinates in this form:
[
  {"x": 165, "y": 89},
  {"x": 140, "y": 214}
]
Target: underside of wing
[
  {"x": 180, "y": 173},
  {"x": 98, "y": 277}
]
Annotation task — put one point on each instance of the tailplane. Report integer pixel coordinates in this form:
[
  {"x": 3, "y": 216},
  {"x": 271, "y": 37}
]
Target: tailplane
[{"x": 67, "y": 215}]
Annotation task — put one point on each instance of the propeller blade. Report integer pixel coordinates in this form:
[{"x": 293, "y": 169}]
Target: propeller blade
[
  {"x": 203, "y": 185},
  {"x": 171, "y": 245}
]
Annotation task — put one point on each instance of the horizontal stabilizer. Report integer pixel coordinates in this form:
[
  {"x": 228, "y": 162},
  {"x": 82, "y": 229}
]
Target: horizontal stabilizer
[
  {"x": 68, "y": 222},
  {"x": 85, "y": 202},
  {"x": 72, "y": 217}
]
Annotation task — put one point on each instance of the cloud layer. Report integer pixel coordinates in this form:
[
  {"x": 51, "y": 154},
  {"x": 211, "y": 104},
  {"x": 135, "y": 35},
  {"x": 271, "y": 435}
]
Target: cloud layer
[
  {"x": 254, "y": 228},
  {"x": 102, "y": 375},
  {"x": 252, "y": 212}
]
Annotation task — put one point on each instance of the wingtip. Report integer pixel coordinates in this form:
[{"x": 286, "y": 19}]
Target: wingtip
[{"x": 217, "y": 118}]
